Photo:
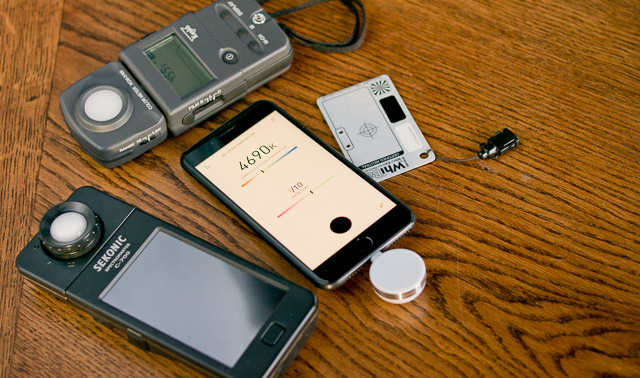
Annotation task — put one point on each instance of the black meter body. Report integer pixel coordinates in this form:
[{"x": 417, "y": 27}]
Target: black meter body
[{"x": 175, "y": 78}]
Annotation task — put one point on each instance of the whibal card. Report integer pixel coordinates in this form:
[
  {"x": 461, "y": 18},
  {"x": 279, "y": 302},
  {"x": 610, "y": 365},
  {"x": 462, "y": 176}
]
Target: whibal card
[{"x": 374, "y": 128}]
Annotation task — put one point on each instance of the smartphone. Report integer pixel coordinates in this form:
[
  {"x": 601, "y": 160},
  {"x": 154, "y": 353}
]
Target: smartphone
[
  {"x": 168, "y": 291},
  {"x": 311, "y": 204}
]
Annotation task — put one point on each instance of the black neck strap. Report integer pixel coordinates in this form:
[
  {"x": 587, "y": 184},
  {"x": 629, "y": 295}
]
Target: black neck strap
[{"x": 352, "y": 44}]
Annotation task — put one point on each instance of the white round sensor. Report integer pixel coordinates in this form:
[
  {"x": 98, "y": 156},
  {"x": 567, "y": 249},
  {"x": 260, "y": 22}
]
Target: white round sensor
[
  {"x": 398, "y": 276},
  {"x": 68, "y": 227},
  {"x": 103, "y": 105}
]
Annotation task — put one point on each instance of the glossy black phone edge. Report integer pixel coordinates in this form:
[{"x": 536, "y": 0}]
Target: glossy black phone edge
[{"x": 327, "y": 280}]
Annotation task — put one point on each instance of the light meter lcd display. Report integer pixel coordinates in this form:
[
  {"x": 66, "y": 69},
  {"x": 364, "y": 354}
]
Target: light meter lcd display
[
  {"x": 178, "y": 65},
  {"x": 194, "y": 297}
]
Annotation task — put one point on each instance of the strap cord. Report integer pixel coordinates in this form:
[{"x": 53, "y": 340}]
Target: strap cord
[{"x": 353, "y": 43}]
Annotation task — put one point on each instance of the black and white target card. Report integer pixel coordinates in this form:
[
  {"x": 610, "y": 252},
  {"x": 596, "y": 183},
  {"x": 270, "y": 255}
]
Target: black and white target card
[{"x": 375, "y": 129}]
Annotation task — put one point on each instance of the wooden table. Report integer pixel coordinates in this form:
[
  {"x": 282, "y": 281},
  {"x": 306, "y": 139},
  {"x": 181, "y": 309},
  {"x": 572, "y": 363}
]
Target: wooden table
[{"x": 533, "y": 259}]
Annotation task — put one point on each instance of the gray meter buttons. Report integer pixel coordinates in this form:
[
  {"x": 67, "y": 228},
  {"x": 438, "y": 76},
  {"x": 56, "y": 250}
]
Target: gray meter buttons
[{"x": 258, "y": 18}]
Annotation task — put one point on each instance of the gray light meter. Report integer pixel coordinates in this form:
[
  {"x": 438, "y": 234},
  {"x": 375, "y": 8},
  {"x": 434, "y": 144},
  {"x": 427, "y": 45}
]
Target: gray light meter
[{"x": 174, "y": 79}]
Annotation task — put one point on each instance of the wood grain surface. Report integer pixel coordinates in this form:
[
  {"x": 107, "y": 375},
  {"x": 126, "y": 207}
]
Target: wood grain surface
[{"x": 533, "y": 259}]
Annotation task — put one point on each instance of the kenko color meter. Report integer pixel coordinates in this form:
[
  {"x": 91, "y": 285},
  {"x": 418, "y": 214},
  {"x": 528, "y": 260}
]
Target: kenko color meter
[{"x": 174, "y": 79}]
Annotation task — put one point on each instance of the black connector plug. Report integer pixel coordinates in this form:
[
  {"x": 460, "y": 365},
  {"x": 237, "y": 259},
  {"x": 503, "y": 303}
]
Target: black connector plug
[{"x": 499, "y": 144}]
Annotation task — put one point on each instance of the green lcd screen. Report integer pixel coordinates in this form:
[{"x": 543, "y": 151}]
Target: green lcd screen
[{"x": 178, "y": 65}]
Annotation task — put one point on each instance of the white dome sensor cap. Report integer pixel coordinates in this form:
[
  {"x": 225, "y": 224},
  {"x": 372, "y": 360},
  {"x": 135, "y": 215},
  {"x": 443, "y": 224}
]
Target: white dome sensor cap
[
  {"x": 103, "y": 105},
  {"x": 68, "y": 227},
  {"x": 398, "y": 276}
]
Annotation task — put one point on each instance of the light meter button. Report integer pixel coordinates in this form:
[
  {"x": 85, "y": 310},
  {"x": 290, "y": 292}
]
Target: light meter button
[
  {"x": 258, "y": 18},
  {"x": 230, "y": 57},
  {"x": 273, "y": 334},
  {"x": 103, "y": 105}
]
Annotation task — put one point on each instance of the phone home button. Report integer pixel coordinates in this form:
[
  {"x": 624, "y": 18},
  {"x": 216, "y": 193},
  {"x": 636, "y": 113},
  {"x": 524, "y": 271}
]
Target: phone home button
[
  {"x": 273, "y": 334},
  {"x": 364, "y": 244}
]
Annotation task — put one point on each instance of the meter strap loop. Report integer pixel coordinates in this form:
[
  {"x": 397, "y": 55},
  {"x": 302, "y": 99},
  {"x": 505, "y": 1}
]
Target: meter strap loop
[{"x": 352, "y": 44}]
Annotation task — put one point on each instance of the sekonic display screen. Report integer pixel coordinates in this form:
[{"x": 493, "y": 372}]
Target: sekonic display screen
[
  {"x": 302, "y": 195},
  {"x": 194, "y": 297},
  {"x": 178, "y": 65}
]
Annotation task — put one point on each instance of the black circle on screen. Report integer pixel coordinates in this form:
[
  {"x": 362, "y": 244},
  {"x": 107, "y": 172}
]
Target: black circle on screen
[{"x": 340, "y": 225}]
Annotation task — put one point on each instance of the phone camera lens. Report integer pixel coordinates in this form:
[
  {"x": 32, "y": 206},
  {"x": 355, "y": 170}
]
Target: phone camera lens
[{"x": 70, "y": 230}]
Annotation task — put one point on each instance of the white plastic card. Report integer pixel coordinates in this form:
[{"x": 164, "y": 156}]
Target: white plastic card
[{"x": 374, "y": 128}]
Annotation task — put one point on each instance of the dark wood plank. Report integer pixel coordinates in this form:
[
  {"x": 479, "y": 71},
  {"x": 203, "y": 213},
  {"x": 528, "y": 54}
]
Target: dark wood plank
[
  {"x": 532, "y": 259},
  {"x": 28, "y": 42}
]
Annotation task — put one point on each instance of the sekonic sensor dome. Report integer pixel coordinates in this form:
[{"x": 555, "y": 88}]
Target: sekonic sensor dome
[
  {"x": 398, "y": 276},
  {"x": 70, "y": 230},
  {"x": 68, "y": 227}
]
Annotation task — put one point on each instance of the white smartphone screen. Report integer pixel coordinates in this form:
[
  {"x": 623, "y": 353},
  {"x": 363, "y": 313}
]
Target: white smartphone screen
[{"x": 297, "y": 191}]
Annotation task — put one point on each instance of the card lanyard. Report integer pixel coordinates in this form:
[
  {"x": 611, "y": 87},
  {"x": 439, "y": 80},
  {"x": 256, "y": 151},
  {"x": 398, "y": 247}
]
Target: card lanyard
[{"x": 351, "y": 44}]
